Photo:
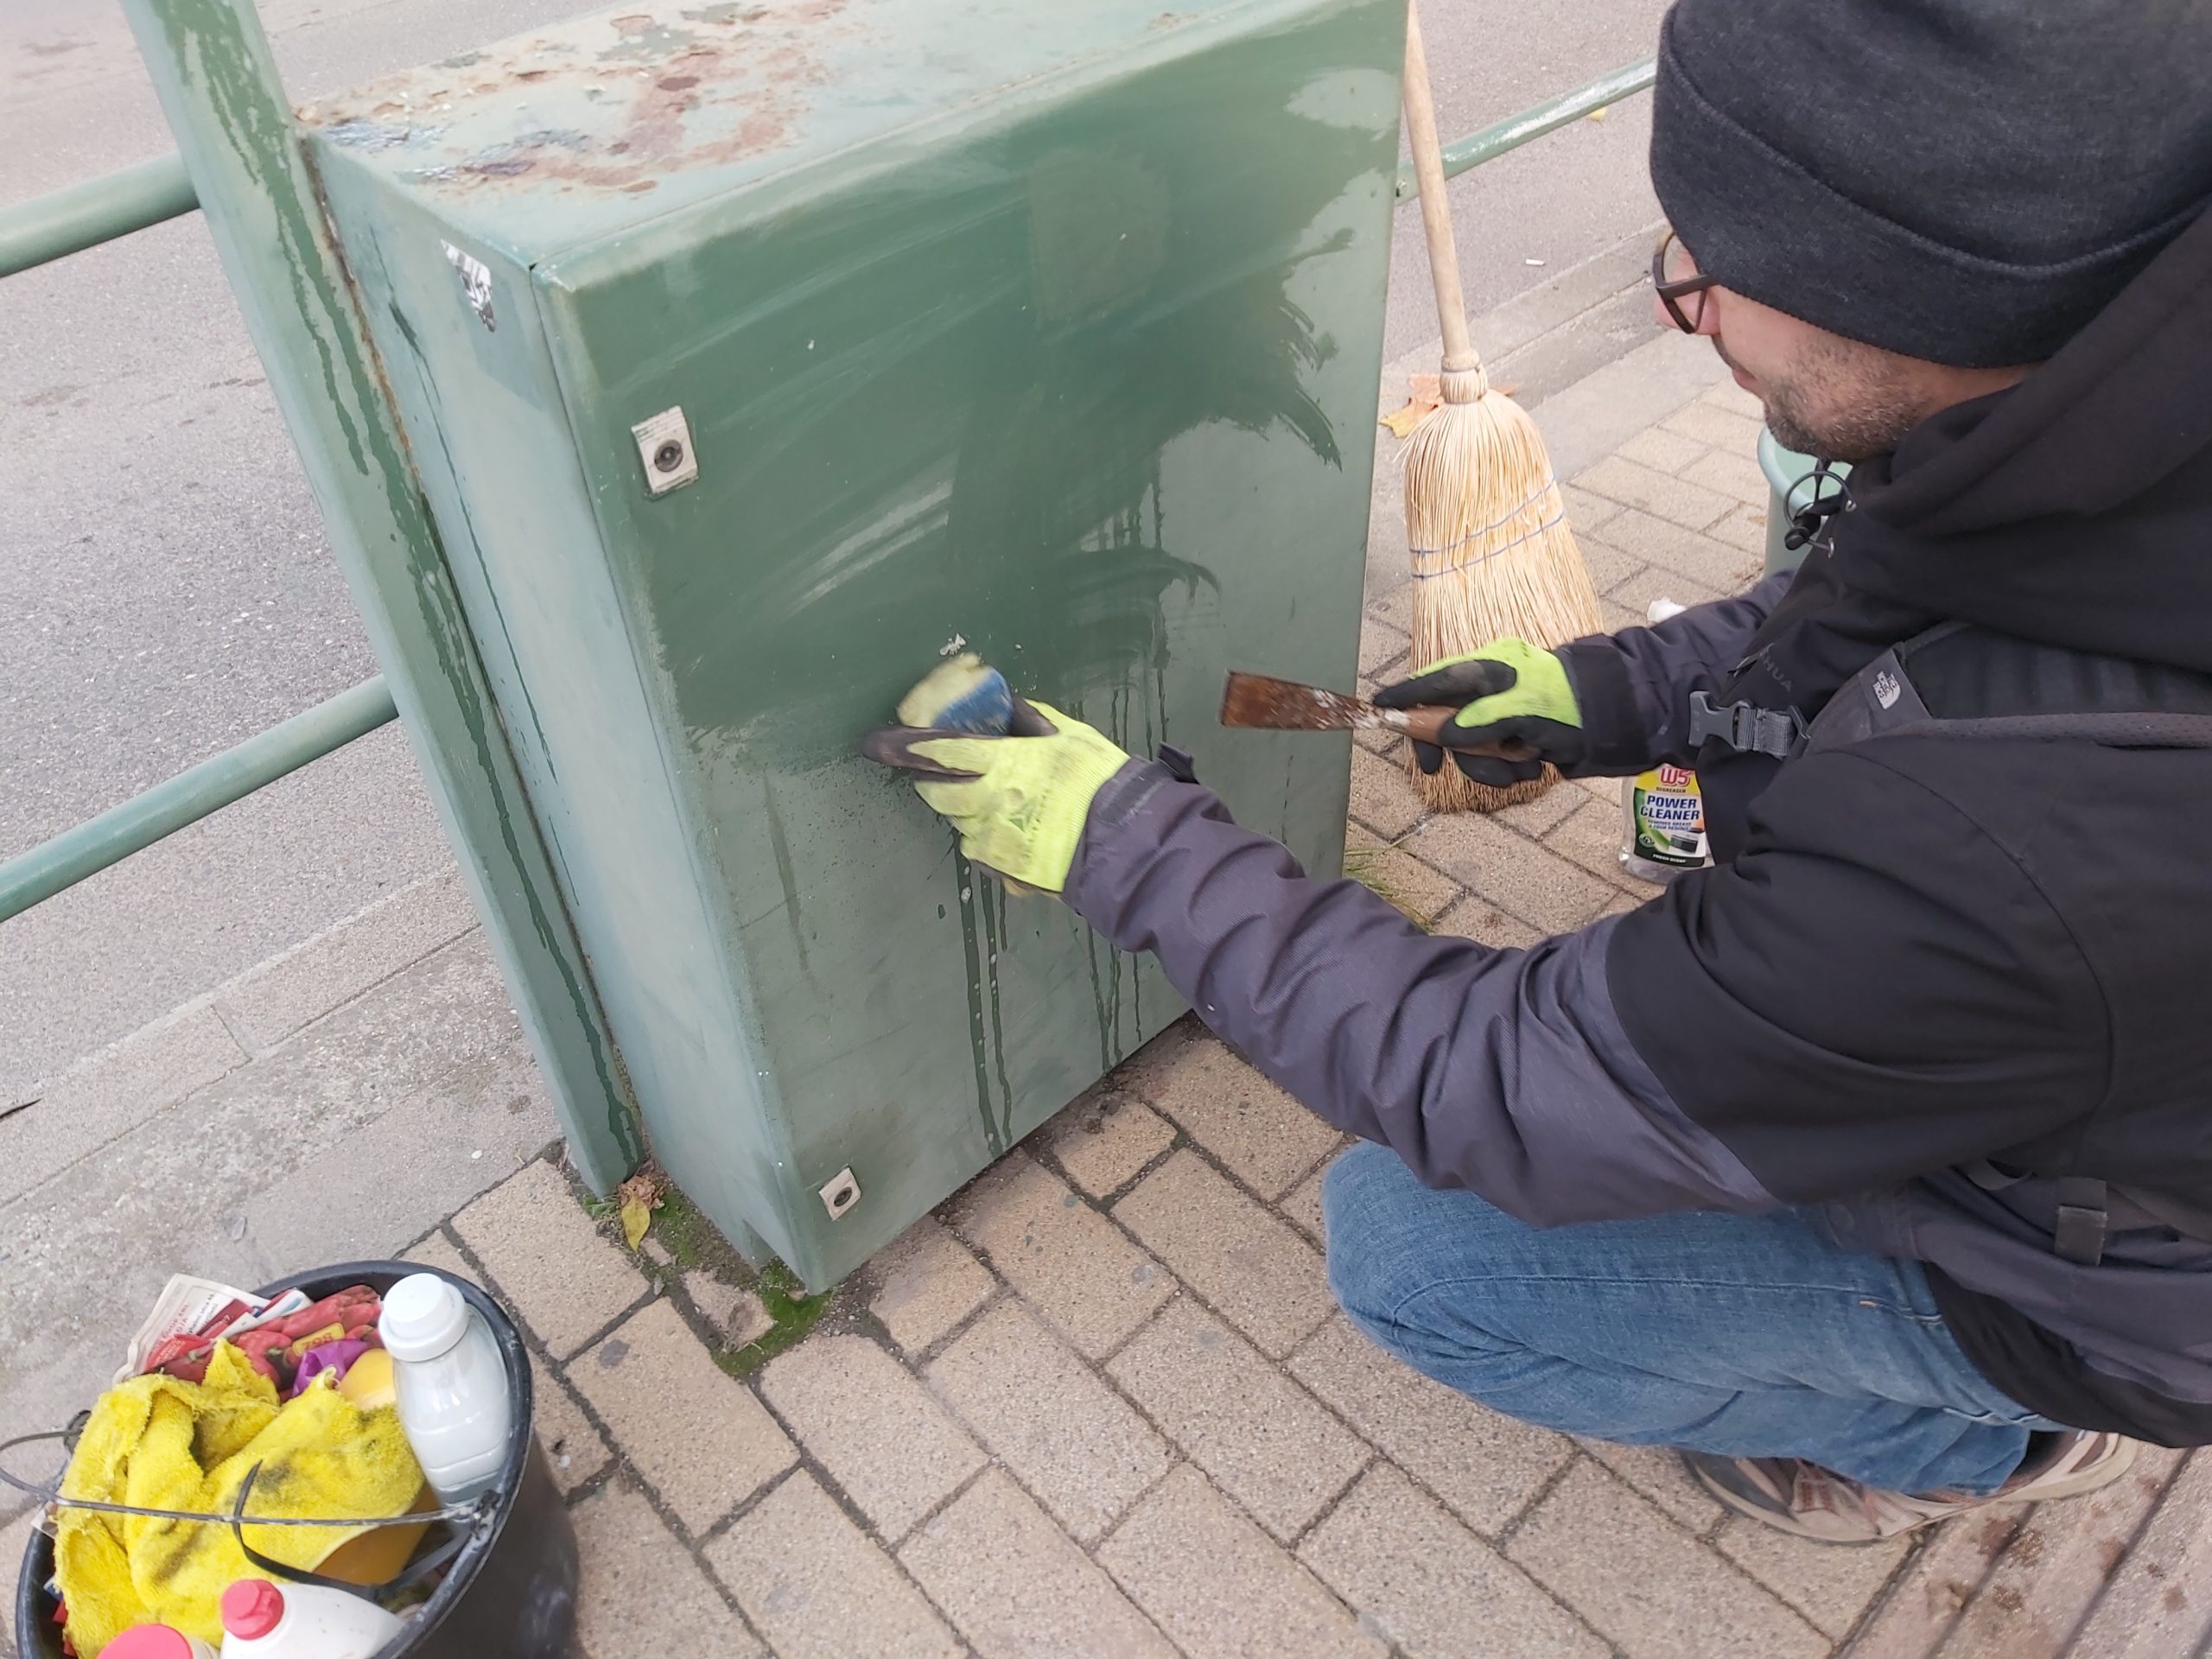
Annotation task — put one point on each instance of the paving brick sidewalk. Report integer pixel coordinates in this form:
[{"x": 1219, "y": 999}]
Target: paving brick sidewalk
[{"x": 1100, "y": 1403}]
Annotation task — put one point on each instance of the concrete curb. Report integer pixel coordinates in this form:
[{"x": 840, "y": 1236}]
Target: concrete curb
[{"x": 113, "y": 1089}]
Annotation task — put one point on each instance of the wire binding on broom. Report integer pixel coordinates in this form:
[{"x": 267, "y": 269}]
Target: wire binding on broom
[{"x": 1550, "y": 486}]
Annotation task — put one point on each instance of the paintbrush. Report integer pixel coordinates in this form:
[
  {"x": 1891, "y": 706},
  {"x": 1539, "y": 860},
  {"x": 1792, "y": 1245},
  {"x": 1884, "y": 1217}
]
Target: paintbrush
[{"x": 1258, "y": 702}]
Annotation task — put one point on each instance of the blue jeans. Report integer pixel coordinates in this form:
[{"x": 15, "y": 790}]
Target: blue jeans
[{"x": 1748, "y": 1336}]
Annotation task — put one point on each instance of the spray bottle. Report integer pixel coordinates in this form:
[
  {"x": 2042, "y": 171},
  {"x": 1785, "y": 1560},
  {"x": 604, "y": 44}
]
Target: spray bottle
[{"x": 1662, "y": 832}]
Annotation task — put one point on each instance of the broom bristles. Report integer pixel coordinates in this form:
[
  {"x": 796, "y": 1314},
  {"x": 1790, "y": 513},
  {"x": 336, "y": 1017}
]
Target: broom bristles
[{"x": 1492, "y": 553}]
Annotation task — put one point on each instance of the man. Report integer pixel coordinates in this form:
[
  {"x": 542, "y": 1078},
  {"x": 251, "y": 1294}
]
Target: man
[{"x": 1872, "y": 1166}]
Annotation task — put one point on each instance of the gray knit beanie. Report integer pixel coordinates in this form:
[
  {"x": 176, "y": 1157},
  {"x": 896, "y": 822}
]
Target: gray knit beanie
[{"x": 1966, "y": 180}]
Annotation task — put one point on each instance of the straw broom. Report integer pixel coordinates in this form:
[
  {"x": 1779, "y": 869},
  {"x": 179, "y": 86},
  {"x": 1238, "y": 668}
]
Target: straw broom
[{"x": 1492, "y": 554}]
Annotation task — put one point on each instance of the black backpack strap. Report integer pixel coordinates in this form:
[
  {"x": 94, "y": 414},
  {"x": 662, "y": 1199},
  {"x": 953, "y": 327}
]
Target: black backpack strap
[
  {"x": 2191, "y": 1220},
  {"x": 2081, "y": 1218},
  {"x": 1882, "y": 700},
  {"x": 2150, "y": 729}
]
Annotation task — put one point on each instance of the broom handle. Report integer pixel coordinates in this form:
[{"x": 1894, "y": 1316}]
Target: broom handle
[{"x": 1435, "y": 210}]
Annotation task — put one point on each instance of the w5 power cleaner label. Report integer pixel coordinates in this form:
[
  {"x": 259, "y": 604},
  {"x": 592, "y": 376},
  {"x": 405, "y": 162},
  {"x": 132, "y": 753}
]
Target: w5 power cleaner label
[{"x": 1665, "y": 831}]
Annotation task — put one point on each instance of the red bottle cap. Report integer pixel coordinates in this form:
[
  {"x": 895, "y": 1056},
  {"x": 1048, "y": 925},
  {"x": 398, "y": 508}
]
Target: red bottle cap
[
  {"x": 251, "y": 1608},
  {"x": 149, "y": 1641}
]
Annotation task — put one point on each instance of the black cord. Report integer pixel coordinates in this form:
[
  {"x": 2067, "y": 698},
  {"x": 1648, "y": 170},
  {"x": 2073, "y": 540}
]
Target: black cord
[
  {"x": 380, "y": 1594},
  {"x": 1805, "y": 523}
]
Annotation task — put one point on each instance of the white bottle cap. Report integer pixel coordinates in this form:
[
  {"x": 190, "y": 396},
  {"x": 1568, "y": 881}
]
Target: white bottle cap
[{"x": 423, "y": 1315}]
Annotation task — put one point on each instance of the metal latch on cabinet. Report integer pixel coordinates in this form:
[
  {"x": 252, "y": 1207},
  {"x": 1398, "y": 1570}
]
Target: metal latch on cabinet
[
  {"x": 665, "y": 447},
  {"x": 840, "y": 1192}
]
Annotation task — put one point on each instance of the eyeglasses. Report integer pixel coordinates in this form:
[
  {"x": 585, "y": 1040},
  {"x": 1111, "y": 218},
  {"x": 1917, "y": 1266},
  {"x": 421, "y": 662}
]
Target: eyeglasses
[{"x": 1676, "y": 277}]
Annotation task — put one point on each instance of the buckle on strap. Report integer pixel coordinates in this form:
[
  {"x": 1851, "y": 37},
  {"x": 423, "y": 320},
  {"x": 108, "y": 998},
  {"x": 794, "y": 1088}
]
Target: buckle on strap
[
  {"x": 2078, "y": 1233},
  {"x": 1741, "y": 726}
]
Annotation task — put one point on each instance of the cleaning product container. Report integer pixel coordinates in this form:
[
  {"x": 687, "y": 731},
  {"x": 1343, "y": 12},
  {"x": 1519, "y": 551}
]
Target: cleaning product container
[
  {"x": 756, "y": 356},
  {"x": 511, "y": 1591},
  {"x": 264, "y": 1620}
]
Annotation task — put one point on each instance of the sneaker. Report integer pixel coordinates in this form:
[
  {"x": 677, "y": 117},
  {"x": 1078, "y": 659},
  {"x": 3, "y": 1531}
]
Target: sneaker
[{"x": 1801, "y": 1497}]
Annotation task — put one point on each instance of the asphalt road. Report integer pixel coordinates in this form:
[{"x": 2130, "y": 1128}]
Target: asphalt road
[{"x": 163, "y": 573}]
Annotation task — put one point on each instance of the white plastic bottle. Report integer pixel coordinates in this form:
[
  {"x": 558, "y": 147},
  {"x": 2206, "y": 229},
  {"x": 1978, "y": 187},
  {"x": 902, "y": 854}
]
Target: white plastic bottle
[
  {"x": 451, "y": 1383},
  {"x": 300, "y": 1621}
]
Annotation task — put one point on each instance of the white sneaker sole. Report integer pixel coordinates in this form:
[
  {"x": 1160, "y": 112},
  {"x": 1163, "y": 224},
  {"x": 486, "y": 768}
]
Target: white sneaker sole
[{"x": 2099, "y": 1474}]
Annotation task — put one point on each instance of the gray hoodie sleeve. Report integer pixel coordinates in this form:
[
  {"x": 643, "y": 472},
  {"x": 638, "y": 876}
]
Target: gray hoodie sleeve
[
  {"x": 1502, "y": 1071},
  {"x": 1634, "y": 687}
]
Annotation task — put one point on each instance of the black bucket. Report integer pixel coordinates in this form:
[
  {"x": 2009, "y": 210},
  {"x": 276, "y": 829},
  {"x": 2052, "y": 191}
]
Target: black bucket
[{"x": 510, "y": 1592}]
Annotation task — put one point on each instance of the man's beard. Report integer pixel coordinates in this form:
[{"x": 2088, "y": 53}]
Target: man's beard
[{"x": 1838, "y": 401}]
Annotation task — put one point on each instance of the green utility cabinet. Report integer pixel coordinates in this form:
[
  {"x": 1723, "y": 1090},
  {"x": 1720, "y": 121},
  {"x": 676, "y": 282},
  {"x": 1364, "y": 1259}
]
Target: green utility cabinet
[{"x": 753, "y": 356}]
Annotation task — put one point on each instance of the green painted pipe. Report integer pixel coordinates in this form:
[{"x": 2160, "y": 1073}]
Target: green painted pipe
[
  {"x": 99, "y": 210},
  {"x": 190, "y": 796},
  {"x": 1552, "y": 114}
]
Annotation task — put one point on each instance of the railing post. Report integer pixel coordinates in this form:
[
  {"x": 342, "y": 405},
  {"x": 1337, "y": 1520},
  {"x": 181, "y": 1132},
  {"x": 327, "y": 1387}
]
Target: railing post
[{"x": 219, "y": 86}]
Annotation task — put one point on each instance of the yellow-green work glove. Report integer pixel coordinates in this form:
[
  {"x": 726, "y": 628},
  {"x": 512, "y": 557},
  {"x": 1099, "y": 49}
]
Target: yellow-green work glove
[
  {"x": 1020, "y": 802},
  {"x": 1509, "y": 689}
]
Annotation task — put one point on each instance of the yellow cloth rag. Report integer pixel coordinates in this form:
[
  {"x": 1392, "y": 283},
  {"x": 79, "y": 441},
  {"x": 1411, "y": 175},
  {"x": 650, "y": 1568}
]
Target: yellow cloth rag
[{"x": 172, "y": 1445}]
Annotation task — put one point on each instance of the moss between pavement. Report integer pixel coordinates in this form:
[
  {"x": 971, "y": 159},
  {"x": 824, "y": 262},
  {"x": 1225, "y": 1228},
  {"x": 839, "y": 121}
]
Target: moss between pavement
[{"x": 692, "y": 1244}]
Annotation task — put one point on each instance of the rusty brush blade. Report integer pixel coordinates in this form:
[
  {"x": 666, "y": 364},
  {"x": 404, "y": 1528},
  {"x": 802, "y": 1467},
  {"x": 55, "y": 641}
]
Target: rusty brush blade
[{"x": 1261, "y": 702}]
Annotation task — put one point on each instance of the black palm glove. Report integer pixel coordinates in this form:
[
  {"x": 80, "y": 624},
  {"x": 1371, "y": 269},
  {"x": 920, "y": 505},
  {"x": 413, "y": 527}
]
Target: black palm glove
[{"x": 1509, "y": 689}]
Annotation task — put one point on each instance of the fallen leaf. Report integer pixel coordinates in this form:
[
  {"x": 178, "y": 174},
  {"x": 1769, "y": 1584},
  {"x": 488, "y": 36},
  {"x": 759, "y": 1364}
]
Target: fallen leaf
[
  {"x": 1423, "y": 393},
  {"x": 642, "y": 1194},
  {"x": 648, "y": 1186},
  {"x": 1599, "y": 113}
]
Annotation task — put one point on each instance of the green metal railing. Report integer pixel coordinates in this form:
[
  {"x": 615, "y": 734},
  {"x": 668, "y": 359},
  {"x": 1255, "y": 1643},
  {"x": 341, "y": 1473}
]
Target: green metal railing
[
  {"x": 82, "y": 216},
  {"x": 89, "y": 848},
  {"x": 1550, "y": 116},
  {"x": 220, "y": 89}
]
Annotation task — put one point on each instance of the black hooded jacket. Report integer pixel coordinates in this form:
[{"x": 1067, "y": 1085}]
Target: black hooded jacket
[
  {"x": 2017, "y": 948},
  {"x": 1926, "y": 964}
]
